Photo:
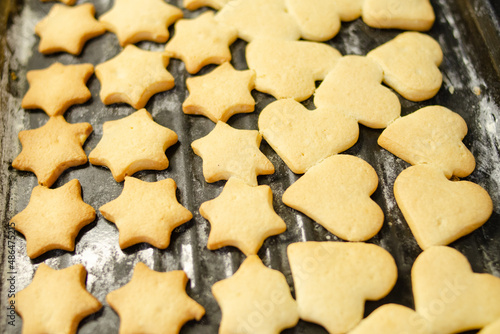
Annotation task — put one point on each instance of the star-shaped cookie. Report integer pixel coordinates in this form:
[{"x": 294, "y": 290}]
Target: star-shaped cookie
[
  {"x": 67, "y": 28},
  {"x": 201, "y": 41},
  {"x": 53, "y": 218},
  {"x": 154, "y": 302},
  {"x": 138, "y": 200},
  {"x": 56, "y": 300},
  {"x": 51, "y": 149},
  {"x": 131, "y": 144},
  {"x": 221, "y": 93},
  {"x": 242, "y": 216},
  {"x": 57, "y": 87},
  {"x": 228, "y": 152},
  {"x": 133, "y": 21},
  {"x": 133, "y": 76},
  {"x": 255, "y": 289}
]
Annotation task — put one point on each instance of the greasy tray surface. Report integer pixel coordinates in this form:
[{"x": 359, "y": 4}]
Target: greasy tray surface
[{"x": 469, "y": 36}]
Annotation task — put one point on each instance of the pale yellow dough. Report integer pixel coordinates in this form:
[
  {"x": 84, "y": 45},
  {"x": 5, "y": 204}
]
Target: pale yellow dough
[
  {"x": 255, "y": 19},
  {"x": 303, "y": 138},
  {"x": 241, "y": 216},
  {"x": 431, "y": 135},
  {"x": 440, "y": 211},
  {"x": 255, "y": 299},
  {"x": 399, "y": 14},
  {"x": 336, "y": 194},
  {"x": 410, "y": 64},
  {"x": 289, "y": 69},
  {"x": 449, "y": 295},
  {"x": 393, "y": 319},
  {"x": 334, "y": 279},
  {"x": 354, "y": 88}
]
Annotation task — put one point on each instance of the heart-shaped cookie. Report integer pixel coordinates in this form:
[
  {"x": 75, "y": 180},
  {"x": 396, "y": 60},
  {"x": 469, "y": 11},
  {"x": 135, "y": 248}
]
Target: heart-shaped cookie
[
  {"x": 449, "y": 295},
  {"x": 440, "y": 211},
  {"x": 318, "y": 20},
  {"x": 410, "y": 64},
  {"x": 399, "y": 14},
  {"x": 393, "y": 319},
  {"x": 336, "y": 194},
  {"x": 289, "y": 69},
  {"x": 334, "y": 279},
  {"x": 354, "y": 87},
  {"x": 255, "y": 19},
  {"x": 303, "y": 137},
  {"x": 431, "y": 135},
  {"x": 493, "y": 328}
]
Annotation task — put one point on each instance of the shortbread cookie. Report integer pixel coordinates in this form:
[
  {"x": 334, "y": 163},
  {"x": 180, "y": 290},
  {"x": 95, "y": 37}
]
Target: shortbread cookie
[
  {"x": 154, "y": 302},
  {"x": 133, "y": 76},
  {"x": 256, "y": 299},
  {"x": 195, "y": 4},
  {"x": 67, "y": 29},
  {"x": 349, "y": 10},
  {"x": 51, "y": 149},
  {"x": 354, "y": 87},
  {"x": 56, "y": 300},
  {"x": 336, "y": 194},
  {"x": 133, "y": 21},
  {"x": 229, "y": 152},
  {"x": 334, "y": 279},
  {"x": 493, "y": 328},
  {"x": 242, "y": 216},
  {"x": 399, "y": 14},
  {"x": 156, "y": 201},
  {"x": 449, "y": 295},
  {"x": 131, "y": 144},
  {"x": 431, "y": 135},
  {"x": 440, "y": 211},
  {"x": 393, "y": 319},
  {"x": 220, "y": 94},
  {"x": 303, "y": 138},
  {"x": 318, "y": 20},
  {"x": 201, "y": 41},
  {"x": 57, "y": 87},
  {"x": 289, "y": 69},
  {"x": 66, "y": 2},
  {"x": 53, "y": 218},
  {"x": 255, "y": 19},
  {"x": 410, "y": 64}
]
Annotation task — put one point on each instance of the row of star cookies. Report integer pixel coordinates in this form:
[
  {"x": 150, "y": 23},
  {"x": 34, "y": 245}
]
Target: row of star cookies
[
  {"x": 152, "y": 302},
  {"x": 333, "y": 280},
  {"x": 128, "y": 145}
]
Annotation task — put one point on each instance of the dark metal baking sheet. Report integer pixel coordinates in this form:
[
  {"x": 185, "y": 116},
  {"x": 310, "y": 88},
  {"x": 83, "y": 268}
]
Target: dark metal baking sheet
[{"x": 469, "y": 34}]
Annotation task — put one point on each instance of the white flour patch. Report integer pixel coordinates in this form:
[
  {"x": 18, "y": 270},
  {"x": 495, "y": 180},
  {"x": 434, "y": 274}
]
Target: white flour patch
[
  {"x": 21, "y": 37},
  {"x": 486, "y": 145}
]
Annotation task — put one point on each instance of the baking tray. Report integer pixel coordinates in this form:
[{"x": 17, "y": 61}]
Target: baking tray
[{"x": 469, "y": 34}]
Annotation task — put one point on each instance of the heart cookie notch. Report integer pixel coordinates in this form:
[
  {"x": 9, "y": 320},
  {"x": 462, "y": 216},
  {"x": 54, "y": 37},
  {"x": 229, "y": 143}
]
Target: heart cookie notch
[
  {"x": 302, "y": 137},
  {"x": 440, "y": 211},
  {"x": 449, "y": 295},
  {"x": 431, "y": 135},
  {"x": 410, "y": 64},
  {"x": 354, "y": 87}
]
